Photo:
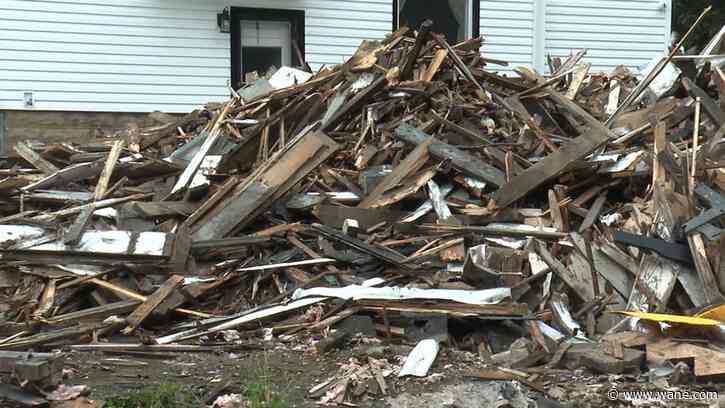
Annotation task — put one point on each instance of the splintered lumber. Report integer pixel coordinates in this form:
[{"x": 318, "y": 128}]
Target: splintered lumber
[
  {"x": 70, "y": 174},
  {"x": 555, "y": 163},
  {"x": 704, "y": 269},
  {"x": 377, "y": 251},
  {"x": 579, "y": 282},
  {"x": 712, "y": 109},
  {"x": 435, "y": 65},
  {"x": 707, "y": 361},
  {"x": 97, "y": 247},
  {"x": 152, "y": 302},
  {"x": 578, "y": 78},
  {"x": 110, "y": 202},
  {"x": 239, "y": 206},
  {"x": 107, "y": 172},
  {"x": 460, "y": 129},
  {"x": 355, "y": 103},
  {"x": 406, "y": 72},
  {"x": 594, "y": 212},
  {"x": 462, "y": 161},
  {"x": 412, "y": 163},
  {"x": 73, "y": 235},
  {"x": 36, "y": 160},
  {"x": 188, "y": 175},
  {"x": 95, "y": 313},
  {"x": 49, "y": 337}
]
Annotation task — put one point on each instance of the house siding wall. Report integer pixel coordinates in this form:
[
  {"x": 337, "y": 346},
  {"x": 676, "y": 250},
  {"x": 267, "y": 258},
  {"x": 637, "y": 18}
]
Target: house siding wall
[
  {"x": 168, "y": 55},
  {"x": 615, "y": 32},
  {"x": 147, "y": 55},
  {"x": 508, "y": 28}
]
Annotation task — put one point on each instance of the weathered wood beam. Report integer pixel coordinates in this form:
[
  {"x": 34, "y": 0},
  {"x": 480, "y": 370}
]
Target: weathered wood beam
[{"x": 464, "y": 162}]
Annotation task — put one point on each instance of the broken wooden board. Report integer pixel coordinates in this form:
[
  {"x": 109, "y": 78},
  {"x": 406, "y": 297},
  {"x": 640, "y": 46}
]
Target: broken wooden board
[
  {"x": 704, "y": 269},
  {"x": 557, "y": 162},
  {"x": 579, "y": 281},
  {"x": 67, "y": 175},
  {"x": 135, "y": 319},
  {"x": 411, "y": 164},
  {"x": 377, "y": 251},
  {"x": 461, "y": 161},
  {"x": 36, "y": 160},
  {"x": 23, "y": 241},
  {"x": 708, "y": 362},
  {"x": 233, "y": 208},
  {"x": 711, "y": 108}
]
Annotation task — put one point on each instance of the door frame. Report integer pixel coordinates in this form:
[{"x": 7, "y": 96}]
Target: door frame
[
  {"x": 296, "y": 18},
  {"x": 473, "y": 13}
]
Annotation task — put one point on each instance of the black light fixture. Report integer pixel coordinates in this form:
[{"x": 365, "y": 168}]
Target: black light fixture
[{"x": 224, "y": 21}]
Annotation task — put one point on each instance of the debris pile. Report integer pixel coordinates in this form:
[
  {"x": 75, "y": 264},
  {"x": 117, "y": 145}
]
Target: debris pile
[{"x": 412, "y": 194}]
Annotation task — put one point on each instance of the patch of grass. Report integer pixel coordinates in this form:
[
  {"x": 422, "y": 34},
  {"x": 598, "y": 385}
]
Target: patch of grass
[
  {"x": 261, "y": 395},
  {"x": 260, "y": 392},
  {"x": 158, "y": 396}
]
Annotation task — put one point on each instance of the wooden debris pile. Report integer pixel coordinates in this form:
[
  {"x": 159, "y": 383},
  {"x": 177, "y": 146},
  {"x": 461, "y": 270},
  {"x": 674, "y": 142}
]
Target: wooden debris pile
[{"x": 410, "y": 184}]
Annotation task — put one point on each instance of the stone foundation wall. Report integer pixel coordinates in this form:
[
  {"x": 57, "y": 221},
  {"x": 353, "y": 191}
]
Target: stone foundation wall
[{"x": 53, "y": 127}]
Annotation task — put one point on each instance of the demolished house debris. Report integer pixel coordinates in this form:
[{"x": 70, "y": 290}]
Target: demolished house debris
[{"x": 411, "y": 180}]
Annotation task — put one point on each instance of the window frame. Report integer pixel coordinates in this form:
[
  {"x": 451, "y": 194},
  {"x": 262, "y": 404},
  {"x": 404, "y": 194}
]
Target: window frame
[
  {"x": 296, "y": 18},
  {"x": 474, "y": 13}
]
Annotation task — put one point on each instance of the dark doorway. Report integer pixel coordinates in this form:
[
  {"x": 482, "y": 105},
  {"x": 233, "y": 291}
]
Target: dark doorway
[{"x": 265, "y": 38}]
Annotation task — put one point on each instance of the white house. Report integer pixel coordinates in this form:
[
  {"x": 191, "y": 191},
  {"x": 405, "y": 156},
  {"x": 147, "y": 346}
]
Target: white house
[{"x": 174, "y": 55}]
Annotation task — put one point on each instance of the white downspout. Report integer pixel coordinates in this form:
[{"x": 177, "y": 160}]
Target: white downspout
[{"x": 539, "y": 42}]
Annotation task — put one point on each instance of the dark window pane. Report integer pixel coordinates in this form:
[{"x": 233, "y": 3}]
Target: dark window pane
[
  {"x": 260, "y": 59},
  {"x": 448, "y": 16}
]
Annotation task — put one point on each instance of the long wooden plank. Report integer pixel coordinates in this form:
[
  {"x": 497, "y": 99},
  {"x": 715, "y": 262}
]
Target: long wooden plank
[
  {"x": 711, "y": 108},
  {"x": 74, "y": 233},
  {"x": 704, "y": 269},
  {"x": 240, "y": 206},
  {"x": 152, "y": 302},
  {"x": 594, "y": 212},
  {"x": 557, "y": 162},
  {"x": 70, "y": 174},
  {"x": 107, "y": 171},
  {"x": 464, "y": 162},
  {"x": 24, "y": 151},
  {"x": 412, "y": 163}
]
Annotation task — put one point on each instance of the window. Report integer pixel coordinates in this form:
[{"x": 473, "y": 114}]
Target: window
[
  {"x": 263, "y": 39},
  {"x": 458, "y": 20}
]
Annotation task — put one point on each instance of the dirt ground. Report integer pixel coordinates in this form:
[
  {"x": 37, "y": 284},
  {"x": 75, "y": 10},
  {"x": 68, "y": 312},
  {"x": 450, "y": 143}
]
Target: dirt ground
[{"x": 291, "y": 371}]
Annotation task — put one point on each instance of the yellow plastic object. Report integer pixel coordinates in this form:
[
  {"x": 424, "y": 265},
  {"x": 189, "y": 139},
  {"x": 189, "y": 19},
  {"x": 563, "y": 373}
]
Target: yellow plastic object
[
  {"x": 716, "y": 313},
  {"x": 668, "y": 318}
]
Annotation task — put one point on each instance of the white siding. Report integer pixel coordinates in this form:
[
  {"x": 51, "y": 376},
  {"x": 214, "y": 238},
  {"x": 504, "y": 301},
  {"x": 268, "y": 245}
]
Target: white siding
[
  {"x": 507, "y": 27},
  {"x": 523, "y": 32},
  {"x": 615, "y": 32},
  {"x": 146, "y": 55}
]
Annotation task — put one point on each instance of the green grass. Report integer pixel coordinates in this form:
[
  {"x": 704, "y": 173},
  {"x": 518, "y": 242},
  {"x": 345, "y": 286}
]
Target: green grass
[
  {"x": 157, "y": 396},
  {"x": 259, "y": 390},
  {"x": 261, "y": 395}
]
